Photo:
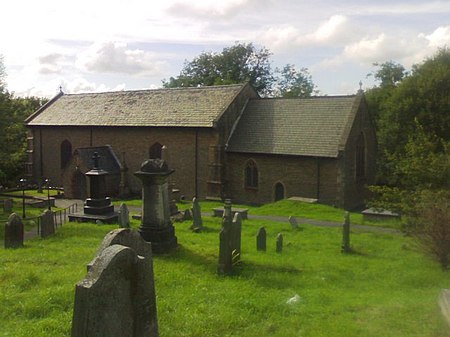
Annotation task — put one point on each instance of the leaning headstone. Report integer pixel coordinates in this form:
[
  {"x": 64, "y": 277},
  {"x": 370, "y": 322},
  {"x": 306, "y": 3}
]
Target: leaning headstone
[
  {"x": 293, "y": 221},
  {"x": 117, "y": 296},
  {"x": 124, "y": 216},
  {"x": 47, "y": 224},
  {"x": 261, "y": 239},
  {"x": 14, "y": 232},
  {"x": 7, "y": 206},
  {"x": 279, "y": 248},
  {"x": 196, "y": 214},
  {"x": 346, "y": 234}
]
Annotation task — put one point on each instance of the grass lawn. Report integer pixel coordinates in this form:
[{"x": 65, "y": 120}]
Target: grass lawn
[{"x": 386, "y": 288}]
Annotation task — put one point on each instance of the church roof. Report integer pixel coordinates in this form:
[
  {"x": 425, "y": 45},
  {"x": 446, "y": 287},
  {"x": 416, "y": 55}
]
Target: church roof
[
  {"x": 180, "y": 107},
  {"x": 316, "y": 126}
]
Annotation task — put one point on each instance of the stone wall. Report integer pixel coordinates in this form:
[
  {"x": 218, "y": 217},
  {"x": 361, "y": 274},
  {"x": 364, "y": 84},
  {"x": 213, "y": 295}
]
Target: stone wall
[
  {"x": 307, "y": 177},
  {"x": 355, "y": 189},
  {"x": 183, "y": 145}
]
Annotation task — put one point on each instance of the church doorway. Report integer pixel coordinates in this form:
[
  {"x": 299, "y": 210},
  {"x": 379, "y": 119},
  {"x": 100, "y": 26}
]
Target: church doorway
[{"x": 279, "y": 191}]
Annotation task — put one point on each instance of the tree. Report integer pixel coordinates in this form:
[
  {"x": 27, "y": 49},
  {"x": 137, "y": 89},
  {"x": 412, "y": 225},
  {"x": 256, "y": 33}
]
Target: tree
[
  {"x": 236, "y": 64},
  {"x": 243, "y": 63},
  {"x": 389, "y": 73},
  {"x": 13, "y": 112},
  {"x": 294, "y": 83}
]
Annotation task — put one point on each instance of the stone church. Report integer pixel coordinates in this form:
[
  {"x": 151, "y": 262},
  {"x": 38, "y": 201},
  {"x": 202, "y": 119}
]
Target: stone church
[{"x": 222, "y": 141}]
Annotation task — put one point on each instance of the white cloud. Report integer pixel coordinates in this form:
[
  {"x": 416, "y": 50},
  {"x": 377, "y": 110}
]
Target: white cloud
[
  {"x": 115, "y": 57},
  {"x": 439, "y": 38},
  {"x": 332, "y": 32},
  {"x": 212, "y": 9}
]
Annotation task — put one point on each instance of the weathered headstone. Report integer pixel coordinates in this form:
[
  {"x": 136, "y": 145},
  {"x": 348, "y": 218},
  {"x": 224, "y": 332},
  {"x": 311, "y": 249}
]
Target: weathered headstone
[
  {"x": 7, "y": 206},
  {"x": 47, "y": 224},
  {"x": 261, "y": 239},
  {"x": 346, "y": 234},
  {"x": 156, "y": 225},
  {"x": 236, "y": 238},
  {"x": 124, "y": 216},
  {"x": 444, "y": 303},
  {"x": 14, "y": 231},
  {"x": 187, "y": 215},
  {"x": 196, "y": 214},
  {"x": 117, "y": 297},
  {"x": 279, "y": 248},
  {"x": 230, "y": 240},
  {"x": 293, "y": 221}
]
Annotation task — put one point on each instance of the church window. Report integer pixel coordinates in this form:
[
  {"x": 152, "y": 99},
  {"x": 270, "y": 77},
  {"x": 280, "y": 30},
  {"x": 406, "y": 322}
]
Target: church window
[
  {"x": 251, "y": 175},
  {"x": 360, "y": 163},
  {"x": 66, "y": 153},
  {"x": 155, "y": 151}
]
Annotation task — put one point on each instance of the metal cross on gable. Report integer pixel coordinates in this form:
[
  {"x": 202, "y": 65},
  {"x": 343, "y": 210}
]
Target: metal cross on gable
[{"x": 96, "y": 158}]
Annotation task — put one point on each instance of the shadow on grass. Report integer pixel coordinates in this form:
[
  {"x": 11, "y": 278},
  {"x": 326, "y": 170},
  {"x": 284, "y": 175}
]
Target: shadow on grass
[{"x": 184, "y": 254}]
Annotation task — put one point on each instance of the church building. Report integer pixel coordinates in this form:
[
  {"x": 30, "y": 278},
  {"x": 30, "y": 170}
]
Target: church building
[{"x": 222, "y": 141}]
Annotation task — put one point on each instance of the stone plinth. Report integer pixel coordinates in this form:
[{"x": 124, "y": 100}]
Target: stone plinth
[{"x": 156, "y": 226}]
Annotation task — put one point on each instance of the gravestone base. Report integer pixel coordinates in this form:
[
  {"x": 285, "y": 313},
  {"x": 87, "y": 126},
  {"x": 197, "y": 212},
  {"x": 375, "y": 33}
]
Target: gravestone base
[
  {"x": 163, "y": 240},
  {"x": 96, "y": 209},
  {"x": 83, "y": 217}
]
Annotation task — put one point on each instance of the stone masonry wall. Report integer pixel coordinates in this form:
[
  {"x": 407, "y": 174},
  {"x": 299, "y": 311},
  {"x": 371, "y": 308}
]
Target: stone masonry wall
[
  {"x": 135, "y": 144},
  {"x": 299, "y": 176}
]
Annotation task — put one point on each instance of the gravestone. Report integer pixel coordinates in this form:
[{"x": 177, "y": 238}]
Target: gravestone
[
  {"x": 47, "y": 224},
  {"x": 124, "y": 216},
  {"x": 346, "y": 234},
  {"x": 279, "y": 247},
  {"x": 14, "y": 232},
  {"x": 187, "y": 215},
  {"x": 293, "y": 221},
  {"x": 117, "y": 296},
  {"x": 98, "y": 206},
  {"x": 230, "y": 240},
  {"x": 236, "y": 238},
  {"x": 7, "y": 206},
  {"x": 156, "y": 226},
  {"x": 261, "y": 239},
  {"x": 196, "y": 214}
]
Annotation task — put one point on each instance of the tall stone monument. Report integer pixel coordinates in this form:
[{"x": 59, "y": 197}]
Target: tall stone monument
[
  {"x": 98, "y": 206},
  {"x": 156, "y": 226}
]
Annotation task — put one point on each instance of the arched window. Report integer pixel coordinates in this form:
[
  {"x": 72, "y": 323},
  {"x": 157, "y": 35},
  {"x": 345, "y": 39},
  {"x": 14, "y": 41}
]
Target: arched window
[
  {"x": 66, "y": 153},
  {"x": 279, "y": 192},
  {"x": 155, "y": 151},
  {"x": 251, "y": 175},
  {"x": 360, "y": 160}
]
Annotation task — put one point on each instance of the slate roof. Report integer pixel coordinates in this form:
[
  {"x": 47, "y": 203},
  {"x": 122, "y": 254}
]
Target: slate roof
[
  {"x": 181, "y": 107},
  {"x": 316, "y": 126}
]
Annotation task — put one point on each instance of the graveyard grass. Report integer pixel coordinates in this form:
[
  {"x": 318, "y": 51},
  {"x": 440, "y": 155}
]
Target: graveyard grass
[{"x": 385, "y": 288}]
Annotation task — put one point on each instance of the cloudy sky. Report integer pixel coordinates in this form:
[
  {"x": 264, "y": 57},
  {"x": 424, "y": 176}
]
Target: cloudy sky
[{"x": 96, "y": 45}]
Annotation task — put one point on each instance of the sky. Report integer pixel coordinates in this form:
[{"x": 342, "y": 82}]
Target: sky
[{"x": 96, "y": 45}]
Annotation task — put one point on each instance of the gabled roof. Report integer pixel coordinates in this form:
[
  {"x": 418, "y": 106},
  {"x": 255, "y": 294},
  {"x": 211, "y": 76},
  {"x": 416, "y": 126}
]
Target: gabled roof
[
  {"x": 317, "y": 126},
  {"x": 108, "y": 160},
  {"x": 180, "y": 107}
]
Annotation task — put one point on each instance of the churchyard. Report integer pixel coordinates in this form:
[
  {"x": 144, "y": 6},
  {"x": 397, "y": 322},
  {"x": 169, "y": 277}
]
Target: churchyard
[{"x": 385, "y": 287}]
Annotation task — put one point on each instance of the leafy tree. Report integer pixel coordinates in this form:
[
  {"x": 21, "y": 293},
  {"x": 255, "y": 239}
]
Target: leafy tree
[
  {"x": 294, "y": 83},
  {"x": 244, "y": 63},
  {"x": 235, "y": 64},
  {"x": 422, "y": 96},
  {"x": 389, "y": 73},
  {"x": 13, "y": 111}
]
